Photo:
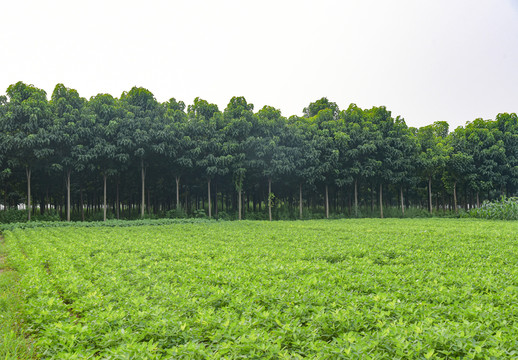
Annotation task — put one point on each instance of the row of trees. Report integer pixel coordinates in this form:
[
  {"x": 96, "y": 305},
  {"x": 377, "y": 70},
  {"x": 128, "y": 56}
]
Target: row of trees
[{"x": 134, "y": 153}]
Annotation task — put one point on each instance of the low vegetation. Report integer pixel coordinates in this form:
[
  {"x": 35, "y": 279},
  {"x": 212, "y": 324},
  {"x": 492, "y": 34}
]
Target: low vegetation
[
  {"x": 504, "y": 209},
  {"x": 397, "y": 288},
  {"x": 13, "y": 345}
]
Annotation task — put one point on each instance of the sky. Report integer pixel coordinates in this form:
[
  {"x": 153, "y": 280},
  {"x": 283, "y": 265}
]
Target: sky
[{"x": 426, "y": 61}]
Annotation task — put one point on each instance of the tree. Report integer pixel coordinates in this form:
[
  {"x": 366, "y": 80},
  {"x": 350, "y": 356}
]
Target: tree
[
  {"x": 433, "y": 153},
  {"x": 5, "y": 144},
  {"x": 27, "y": 122},
  {"x": 71, "y": 133},
  {"x": 322, "y": 104},
  {"x": 485, "y": 143},
  {"x": 396, "y": 152},
  {"x": 208, "y": 138},
  {"x": 110, "y": 159},
  {"x": 239, "y": 119},
  {"x": 306, "y": 154},
  {"x": 361, "y": 151},
  {"x": 174, "y": 144},
  {"x": 508, "y": 126},
  {"x": 141, "y": 112},
  {"x": 272, "y": 157}
]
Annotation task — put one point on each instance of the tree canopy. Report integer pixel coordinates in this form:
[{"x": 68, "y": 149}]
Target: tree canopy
[{"x": 135, "y": 157}]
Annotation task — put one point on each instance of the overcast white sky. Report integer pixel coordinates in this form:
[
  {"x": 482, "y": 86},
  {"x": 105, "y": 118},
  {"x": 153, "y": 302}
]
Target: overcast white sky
[{"x": 451, "y": 60}]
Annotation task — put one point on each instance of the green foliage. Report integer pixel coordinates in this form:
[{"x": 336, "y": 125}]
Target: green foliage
[
  {"x": 503, "y": 209},
  {"x": 363, "y": 289},
  {"x": 16, "y": 216},
  {"x": 199, "y": 214},
  {"x": 176, "y": 214},
  {"x": 154, "y": 156},
  {"x": 94, "y": 224},
  {"x": 223, "y": 215},
  {"x": 13, "y": 344},
  {"x": 271, "y": 200},
  {"x": 13, "y": 216},
  {"x": 321, "y": 105}
]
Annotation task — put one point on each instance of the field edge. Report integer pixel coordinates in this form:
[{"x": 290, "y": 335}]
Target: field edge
[{"x": 13, "y": 343}]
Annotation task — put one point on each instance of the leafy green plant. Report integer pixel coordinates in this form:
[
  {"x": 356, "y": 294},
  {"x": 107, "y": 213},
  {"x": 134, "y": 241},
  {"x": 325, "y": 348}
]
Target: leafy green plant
[
  {"x": 176, "y": 214},
  {"x": 503, "y": 209},
  {"x": 12, "y": 215},
  {"x": 13, "y": 343},
  {"x": 199, "y": 214}
]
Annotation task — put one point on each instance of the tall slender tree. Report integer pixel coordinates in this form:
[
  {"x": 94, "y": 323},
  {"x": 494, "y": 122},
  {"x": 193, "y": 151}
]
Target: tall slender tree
[
  {"x": 239, "y": 118},
  {"x": 433, "y": 153},
  {"x": 141, "y": 111},
  {"x": 27, "y": 122}
]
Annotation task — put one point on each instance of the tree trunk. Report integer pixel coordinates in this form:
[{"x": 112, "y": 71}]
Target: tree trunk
[
  {"x": 455, "y": 197},
  {"x": 402, "y": 201},
  {"x": 381, "y": 201},
  {"x": 82, "y": 205},
  {"x": 104, "y": 196},
  {"x": 216, "y": 199},
  {"x": 356, "y": 197},
  {"x": 68, "y": 195},
  {"x": 28, "y": 173},
  {"x": 209, "y": 202},
  {"x": 430, "y": 204},
  {"x": 372, "y": 198},
  {"x": 178, "y": 193},
  {"x": 148, "y": 202},
  {"x": 270, "y": 199},
  {"x": 117, "y": 200},
  {"x": 327, "y": 202},
  {"x": 478, "y": 200},
  {"x": 143, "y": 175},
  {"x": 300, "y": 201},
  {"x": 239, "y": 202}
]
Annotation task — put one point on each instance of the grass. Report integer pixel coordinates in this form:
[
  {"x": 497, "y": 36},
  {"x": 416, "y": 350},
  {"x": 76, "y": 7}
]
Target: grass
[{"x": 363, "y": 288}]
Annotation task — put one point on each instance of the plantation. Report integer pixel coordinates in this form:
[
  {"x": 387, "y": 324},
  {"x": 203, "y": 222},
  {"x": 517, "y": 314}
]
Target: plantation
[
  {"x": 369, "y": 289},
  {"x": 69, "y": 158}
]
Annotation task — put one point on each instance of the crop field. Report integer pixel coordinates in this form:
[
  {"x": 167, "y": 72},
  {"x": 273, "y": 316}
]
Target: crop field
[{"x": 359, "y": 289}]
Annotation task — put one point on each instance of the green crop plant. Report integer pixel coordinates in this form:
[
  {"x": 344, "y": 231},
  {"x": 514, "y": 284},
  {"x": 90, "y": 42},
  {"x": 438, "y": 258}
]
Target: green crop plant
[{"x": 359, "y": 289}]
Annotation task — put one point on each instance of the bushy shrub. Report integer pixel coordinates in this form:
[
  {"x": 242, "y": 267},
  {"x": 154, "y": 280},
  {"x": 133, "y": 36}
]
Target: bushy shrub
[
  {"x": 176, "y": 214},
  {"x": 228, "y": 216},
  {"x": 503, "y": 209},
  {"x": 48, "y": 215},
  {"x": 12, "y": 216},
  {"x": 199, "y": 214}
]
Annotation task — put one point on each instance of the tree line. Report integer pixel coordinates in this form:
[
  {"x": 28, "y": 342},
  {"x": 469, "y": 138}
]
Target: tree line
[{"x": 133, "y": 156}]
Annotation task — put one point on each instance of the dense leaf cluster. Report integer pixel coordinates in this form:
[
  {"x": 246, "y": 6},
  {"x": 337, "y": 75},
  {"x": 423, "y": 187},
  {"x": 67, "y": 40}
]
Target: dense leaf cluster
[
  {"x": 503, "y": 209},
  {"x": 133, "y": 157}
]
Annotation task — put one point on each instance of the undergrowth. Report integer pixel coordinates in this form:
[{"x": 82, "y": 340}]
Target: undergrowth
[{"x": 503, "y": 209}]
